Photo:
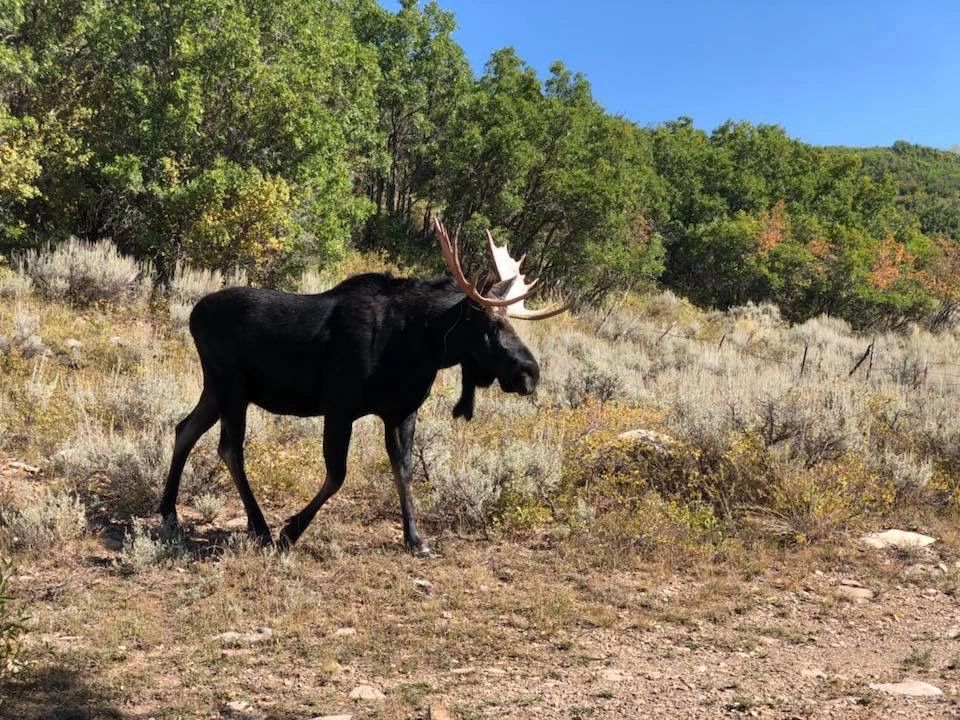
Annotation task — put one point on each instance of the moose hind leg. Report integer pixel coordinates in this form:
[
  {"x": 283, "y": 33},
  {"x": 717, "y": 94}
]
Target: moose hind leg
[
  {"x": 336, "y": 442},
  {"x": 189, "y": 430},
  {"x": 232, "y": 430},
  {"x": 399, "y": 442}
]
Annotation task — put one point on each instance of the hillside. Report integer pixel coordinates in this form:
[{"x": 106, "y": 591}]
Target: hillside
[
  {"x": 672, "y": 524},
  {"x": 928, "y": 182},
  {"x": 273, "y": 137}
]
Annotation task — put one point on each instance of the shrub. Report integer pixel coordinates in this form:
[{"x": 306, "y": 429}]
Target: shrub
[
  {"x": 904, "y": 470},
  {"x": 209, "y": 506},
  {"x": 812, "y": 504},
  {"x": 13, "y": 284},
  {"x": 473, "y": 487},
  {"x": 590, "y": 381},
  {"x": 190, "y": 284},
  {"x": 149, "y": 398},
  {"x": 12, "y": 626},
  {"x": 55, "y": 518},
  {"x": 85, "y": 273},
  {"x": 313, "y": 282},
  {"x": 122, "y": 472},
  {"x": 141, "y": 550}
]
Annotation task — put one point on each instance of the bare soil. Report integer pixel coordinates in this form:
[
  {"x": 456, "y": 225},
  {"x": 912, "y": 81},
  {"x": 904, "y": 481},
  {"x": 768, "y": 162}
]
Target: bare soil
[{"x": 518, "y": 627}]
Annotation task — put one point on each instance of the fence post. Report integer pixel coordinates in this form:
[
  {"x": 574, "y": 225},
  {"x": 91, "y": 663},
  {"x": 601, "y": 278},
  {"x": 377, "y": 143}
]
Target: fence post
[
  {"x": 867, "y": 353},
  {"x": 665, "y": 332},
  {"x": 803, "y": 363}
]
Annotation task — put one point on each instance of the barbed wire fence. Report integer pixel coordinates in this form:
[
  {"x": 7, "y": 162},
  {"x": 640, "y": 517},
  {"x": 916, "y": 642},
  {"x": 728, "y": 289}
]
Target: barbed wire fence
[{"x": 923, "y": 371}]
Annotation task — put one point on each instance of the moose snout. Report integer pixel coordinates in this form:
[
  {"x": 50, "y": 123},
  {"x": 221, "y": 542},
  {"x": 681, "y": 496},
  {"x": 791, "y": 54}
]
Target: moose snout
[
  {"x": 523, "y": 381},
  {"x": 527, "y": 384}
]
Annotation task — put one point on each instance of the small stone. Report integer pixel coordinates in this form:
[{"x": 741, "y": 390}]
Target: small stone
[
  {"x": 614, "y": 675},
  {"x": 367, "y": 693},
  {"x": 232, "y": 637},
  {"x": 241, "y": 707},
  {"x": 897, "y": 538},
  {"x": 911, "y": 688},
  {"x": 28, "y": 469},
  {"x": 952, "y": 633},
  {"x": 344, "y": 632},
  {"x": 463, "y": 671},
  {"x": 333, "y": 717},
  {"x": 424, "y": 586},
  {"x": 439, "y": 711},
  {"x": 855, "y": 594},
  {"x": 814, "y": 673}
]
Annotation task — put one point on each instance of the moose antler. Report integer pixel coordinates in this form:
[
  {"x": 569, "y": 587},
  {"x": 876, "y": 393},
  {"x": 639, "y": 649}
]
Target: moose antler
[
  {"x": 508, "y": 268},
  {"x": 451, "y": 254}
]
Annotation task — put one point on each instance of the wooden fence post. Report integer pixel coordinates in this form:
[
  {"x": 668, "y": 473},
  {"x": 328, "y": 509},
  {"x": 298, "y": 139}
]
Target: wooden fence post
[{"x": 867, "y": 353}]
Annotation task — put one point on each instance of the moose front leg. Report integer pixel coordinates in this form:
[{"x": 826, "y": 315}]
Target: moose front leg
[
  {"x": 399, "y": 442},
  {"x": 468, "y": 388},
  {"x": 336, "y": 444}
]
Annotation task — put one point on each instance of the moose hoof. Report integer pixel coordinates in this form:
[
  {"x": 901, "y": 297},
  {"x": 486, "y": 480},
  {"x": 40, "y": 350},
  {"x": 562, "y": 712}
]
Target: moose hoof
[
  {"x": 170, "y": 526},
  {"x": 285, "y": 541},
  {"x": 423, "y": 550},
  {"x": 261, "y": 537}
]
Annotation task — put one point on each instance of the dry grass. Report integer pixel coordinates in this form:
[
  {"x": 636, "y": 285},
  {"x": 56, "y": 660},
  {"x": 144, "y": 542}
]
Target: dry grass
[{"x": 544, "y": 513}]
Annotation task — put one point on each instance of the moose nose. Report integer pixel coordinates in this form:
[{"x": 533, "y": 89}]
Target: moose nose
[{"x": 527, "y": 384}]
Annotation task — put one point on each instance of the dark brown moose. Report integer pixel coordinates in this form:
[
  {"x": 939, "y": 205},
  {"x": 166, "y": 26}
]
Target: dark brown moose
[{"x": 371, "y": 345}]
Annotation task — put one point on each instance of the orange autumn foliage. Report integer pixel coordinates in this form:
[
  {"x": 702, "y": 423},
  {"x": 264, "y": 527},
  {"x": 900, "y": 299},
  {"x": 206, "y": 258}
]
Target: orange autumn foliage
[
  {"x": 773, "y": 230},
  {"x": 888, "y": 263}
]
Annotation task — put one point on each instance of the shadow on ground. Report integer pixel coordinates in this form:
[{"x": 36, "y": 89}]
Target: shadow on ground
[{"x": 54, "y": 693}]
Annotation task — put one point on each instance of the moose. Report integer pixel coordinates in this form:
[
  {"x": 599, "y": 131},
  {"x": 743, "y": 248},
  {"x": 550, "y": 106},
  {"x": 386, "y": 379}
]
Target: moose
[{"x": 371, "y": 345}]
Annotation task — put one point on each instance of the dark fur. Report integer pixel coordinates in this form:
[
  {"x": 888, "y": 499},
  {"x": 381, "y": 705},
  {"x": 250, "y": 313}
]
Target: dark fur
[{"x": 371, "y": 345}]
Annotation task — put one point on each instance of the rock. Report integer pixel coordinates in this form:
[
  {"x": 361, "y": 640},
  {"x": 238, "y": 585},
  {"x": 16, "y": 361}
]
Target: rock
[
  {"x": 813, "y": 673},
  {"x": 331, "y": 667},
  {"x": 614, "y": 675},
  {"x": 367, "y": 693},
  {"x": 344, "y": 632},
  {"x": 463, "y": 671},
  {"x": 242, "y": 708},
  {"x": 952, "y": 633},
  {"x": 28, "y": 469},
  {"x": 897, "y": 538},
  {"x": 424, "y": 586},
  {"x": 651, "y": 439},
  {"x": 333, "y": 717},
  {"x": 234, "y": 638},
  {"x": 911, "y": 688},
  {"x": 855, "y": 594},
  {"x": 439, "y": 711}
]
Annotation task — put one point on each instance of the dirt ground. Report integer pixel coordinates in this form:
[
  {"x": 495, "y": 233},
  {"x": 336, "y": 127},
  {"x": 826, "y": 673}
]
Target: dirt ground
[{"x": 525, "y": 627}]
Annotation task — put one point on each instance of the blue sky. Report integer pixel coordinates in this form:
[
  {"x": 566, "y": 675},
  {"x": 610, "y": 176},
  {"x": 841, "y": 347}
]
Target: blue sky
[{"x": 847, "y": 72}]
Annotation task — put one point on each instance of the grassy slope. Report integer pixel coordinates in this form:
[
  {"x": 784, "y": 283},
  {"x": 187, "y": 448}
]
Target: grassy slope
[{"x": 607, "y": 574}]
